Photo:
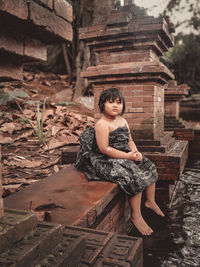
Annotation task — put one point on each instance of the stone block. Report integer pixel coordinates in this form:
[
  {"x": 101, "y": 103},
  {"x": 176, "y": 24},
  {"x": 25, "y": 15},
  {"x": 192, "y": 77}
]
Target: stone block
[
  {"x": 18, "y": 8},
  {"x": 63, "y": 9},
  {"x": 10, "y": 71},
  {"x": 48, "y": 3},
  {"x": 95, "y": 242},
  {"x": 34, "y": 49},
  {"x": 68, "y": 156},
  {"x": 110, "y": 262},
  {"x": 68, "y": 252},
  {"x": 34, "y": 246},
  {"x": 11, "y": 42},
  {"x": 14, "y": 226},
  {"x": 125, "y": 249},
  {"x": 50, "y": 22},
  {"x": 60, "y": 189}
]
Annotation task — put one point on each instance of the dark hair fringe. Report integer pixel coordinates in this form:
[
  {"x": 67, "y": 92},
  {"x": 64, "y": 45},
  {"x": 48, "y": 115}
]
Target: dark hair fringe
[{"x": 111, "y": 94}]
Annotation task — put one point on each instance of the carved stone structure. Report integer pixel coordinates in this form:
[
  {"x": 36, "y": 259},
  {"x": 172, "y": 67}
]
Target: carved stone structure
[
  {"x": 25, "y": 242},
  {"x": 26, "y": 27},
  {"x": 173, "y": 94},
  {"x": 127, "y": 51}
]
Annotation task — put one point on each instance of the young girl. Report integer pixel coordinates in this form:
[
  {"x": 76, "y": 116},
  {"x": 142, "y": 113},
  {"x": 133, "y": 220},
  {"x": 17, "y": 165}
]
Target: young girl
[{"x": 113, "y": 156}]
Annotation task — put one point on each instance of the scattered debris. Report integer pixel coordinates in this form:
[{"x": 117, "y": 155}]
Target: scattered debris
[{"x": 25, "y": 160}]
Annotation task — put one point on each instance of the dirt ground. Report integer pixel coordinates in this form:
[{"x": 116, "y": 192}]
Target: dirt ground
[{"x": 25, "y": 159}]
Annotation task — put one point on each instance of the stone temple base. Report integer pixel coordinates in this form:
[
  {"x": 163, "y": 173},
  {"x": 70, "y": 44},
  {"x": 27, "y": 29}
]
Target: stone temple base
[{"x": 170, "y": 156}]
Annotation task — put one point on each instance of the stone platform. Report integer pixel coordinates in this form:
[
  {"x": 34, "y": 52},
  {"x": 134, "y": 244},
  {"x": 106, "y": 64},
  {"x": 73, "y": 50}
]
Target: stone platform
[
  {"x": 181, "y": 132},
  {"x": 25, "y": 242},
  {"x": 68, "y": 198}
]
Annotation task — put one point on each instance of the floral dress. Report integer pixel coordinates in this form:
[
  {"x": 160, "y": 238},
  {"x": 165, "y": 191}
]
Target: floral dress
[{"x": 131, "y": 176}]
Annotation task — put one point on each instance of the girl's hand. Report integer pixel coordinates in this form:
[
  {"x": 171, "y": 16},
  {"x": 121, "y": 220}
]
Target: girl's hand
[
  {"x": 138, "y": 156},
  {"x": 135, "y": 155}
]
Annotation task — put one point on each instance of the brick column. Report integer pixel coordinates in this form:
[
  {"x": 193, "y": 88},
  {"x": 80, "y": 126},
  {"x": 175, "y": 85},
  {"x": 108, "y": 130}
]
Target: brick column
[
  {"x": 1, "y": 200},
  {"x": 172, "y": 122},
  {"x": 127, "y": 54},
  {"x": 173, "y": 94}
]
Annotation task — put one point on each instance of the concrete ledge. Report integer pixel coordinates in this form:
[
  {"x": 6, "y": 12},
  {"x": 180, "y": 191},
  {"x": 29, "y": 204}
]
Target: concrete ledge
[{"x": 67, "y": 198}]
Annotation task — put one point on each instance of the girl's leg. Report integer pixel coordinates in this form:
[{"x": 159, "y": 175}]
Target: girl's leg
[
  {"x": 150, "y": 202},
  {"x": 137, "y": 218}
]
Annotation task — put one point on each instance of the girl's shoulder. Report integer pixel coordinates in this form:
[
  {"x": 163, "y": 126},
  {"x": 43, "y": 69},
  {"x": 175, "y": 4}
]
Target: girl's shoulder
[
  {"x": 101, "y": 122},
  {"x": 124, "y": 121}
]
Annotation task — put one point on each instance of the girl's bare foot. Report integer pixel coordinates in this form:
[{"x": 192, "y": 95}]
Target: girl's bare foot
[
  {"x": 142, "y": 226},
  {"x": 154, "y": 207}
]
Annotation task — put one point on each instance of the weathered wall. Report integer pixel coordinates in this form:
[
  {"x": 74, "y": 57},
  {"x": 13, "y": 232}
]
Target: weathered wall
[{"x": 28, "y": 26}]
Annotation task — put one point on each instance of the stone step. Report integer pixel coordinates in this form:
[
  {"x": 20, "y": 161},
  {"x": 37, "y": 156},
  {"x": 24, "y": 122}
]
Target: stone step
[
  {"x": 161, "y": 149},
  {"x": 143, "y": 142},
  {"x": 68, "y": 252},
  {"x": 68, "y": 156},
  {"x": 166, "y": 139},
  {"x": 33, "y": 247},
  {"x": 172, "y": 126},
  {"x": 108, "y": 248},
  {"x": 14, "y": 225}
]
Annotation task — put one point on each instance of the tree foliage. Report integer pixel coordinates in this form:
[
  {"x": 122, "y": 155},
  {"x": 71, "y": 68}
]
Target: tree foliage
[
  {"x": 184, "y": 60},
  {"x": 191, "y": 6}
]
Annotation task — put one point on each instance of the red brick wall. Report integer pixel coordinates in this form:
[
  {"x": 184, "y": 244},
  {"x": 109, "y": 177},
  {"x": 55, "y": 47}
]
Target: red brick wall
[
  {"x": 118, "y": 218},
  {"x": 109, "y": 57},
  {"x": 144, "y": 108},
  {"x": 172, "y": 108}
]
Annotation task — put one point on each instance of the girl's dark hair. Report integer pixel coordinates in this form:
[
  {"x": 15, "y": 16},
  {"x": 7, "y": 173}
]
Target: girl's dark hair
[{"x": 111, "y": 94}]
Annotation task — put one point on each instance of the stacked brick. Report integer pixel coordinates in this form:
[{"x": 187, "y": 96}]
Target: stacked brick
[
  {"x": 127, "y": 51},
  {"x": 173, "y": 94},
  {"x": 127, "y": 56},
  {"x": 28, "y": 27}
]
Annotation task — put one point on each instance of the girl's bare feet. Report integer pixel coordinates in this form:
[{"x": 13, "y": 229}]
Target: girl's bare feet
[
  {"x": 142, "y": 226},
  {"x": 154, "y": 207}
]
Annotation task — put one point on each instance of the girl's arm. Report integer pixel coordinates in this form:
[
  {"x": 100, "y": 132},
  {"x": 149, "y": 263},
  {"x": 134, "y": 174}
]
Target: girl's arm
[
  {"x": 131, "y": 143},
  {"x": 102, "y": 138},
  {"x": 138, "y": 155}
]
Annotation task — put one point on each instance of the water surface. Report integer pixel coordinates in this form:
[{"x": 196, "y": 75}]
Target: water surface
[{"x": 176, "y": 239}]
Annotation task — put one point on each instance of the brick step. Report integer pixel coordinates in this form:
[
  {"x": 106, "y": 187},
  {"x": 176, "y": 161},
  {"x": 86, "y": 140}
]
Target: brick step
[
  {"x": 14, "y": 225},
  {"x": 166, "y": 139},
  {"x": 34, "y": 246},
  {"x": 161, "y": 149},
  {"x": 144, "y": 142},
  {"x": 171, "y": 126},
  {"x": 68, "y": 156}
]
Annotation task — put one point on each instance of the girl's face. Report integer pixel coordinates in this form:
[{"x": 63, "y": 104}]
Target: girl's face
[{"x": 113, "y": 108}]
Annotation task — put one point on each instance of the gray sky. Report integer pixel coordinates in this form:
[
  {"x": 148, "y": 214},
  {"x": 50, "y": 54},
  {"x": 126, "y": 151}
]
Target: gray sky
[{"x": 155, "y": 7}]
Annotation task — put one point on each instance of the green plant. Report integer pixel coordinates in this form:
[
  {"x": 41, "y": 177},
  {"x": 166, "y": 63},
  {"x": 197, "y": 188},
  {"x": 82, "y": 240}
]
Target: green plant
[
  {"x": 13, "y": 95},
  {"x": 39, "y": 129}
]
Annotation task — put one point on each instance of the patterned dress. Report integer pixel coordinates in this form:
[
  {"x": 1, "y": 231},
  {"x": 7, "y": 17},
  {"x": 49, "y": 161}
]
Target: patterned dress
[{"x": 131, "y": 176}]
